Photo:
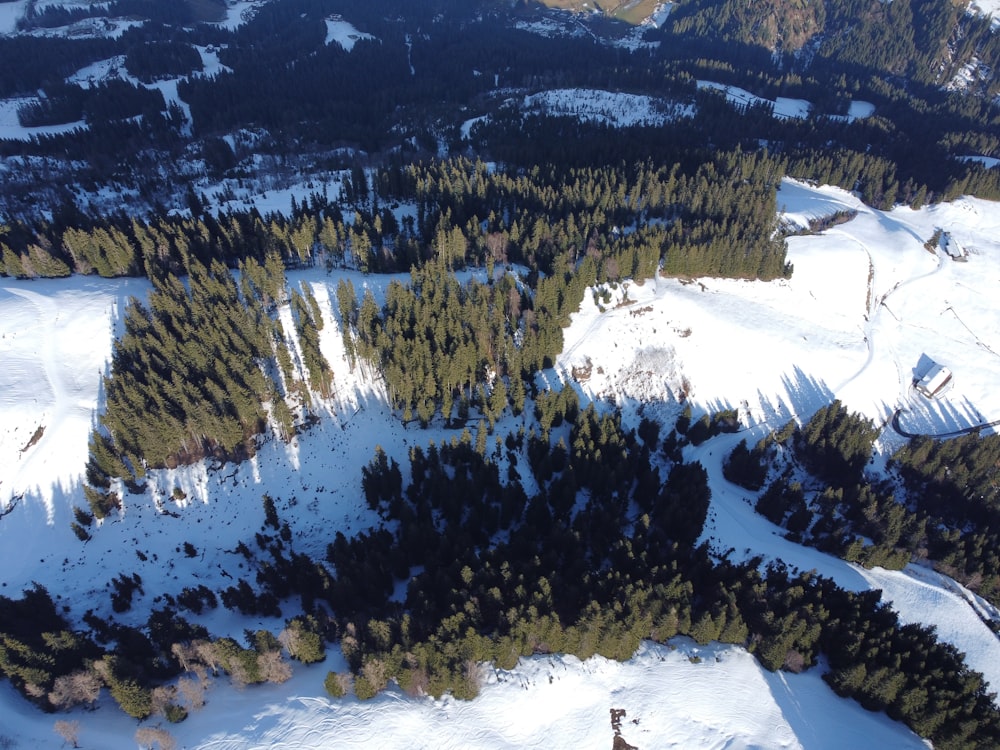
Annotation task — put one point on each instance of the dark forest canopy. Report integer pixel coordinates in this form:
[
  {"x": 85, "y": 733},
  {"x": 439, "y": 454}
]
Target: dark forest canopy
[{"x": 430, "y": 66}]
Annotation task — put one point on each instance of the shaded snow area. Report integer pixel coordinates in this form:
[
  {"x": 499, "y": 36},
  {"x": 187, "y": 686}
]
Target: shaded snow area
[
  {"x": 607, "y": 107},
  {"x": 114, "y": 68},
  {"x": 782, "y": 107},
  {"x": 660, "y": 15},
  {"x": 343, "y": 33},
  {"x": 987, "y": 161},
  {"x": 10, "y": 14},
  {"x": 11, "y": 128},
  {"x": 865, "y": 309},
  {"x": 856, "y": 110},
  {"x": 614, "y": 108},
  {"x": 575, "y": 25},
  {"x": 239, "y": 12}
]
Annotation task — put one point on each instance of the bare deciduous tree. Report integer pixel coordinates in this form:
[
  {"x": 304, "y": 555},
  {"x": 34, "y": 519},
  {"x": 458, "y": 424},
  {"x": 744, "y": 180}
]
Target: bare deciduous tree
[
  {"x": 163, "y": 697},
  {"x": 192, "y": 691},
  {"x": 73, "y": 689},
  {"x": 273, "y": 667},
  {"x": 375, "y": 672},
  {"x": 69, "y": 731},
  {"x": 154, "y": 738}
]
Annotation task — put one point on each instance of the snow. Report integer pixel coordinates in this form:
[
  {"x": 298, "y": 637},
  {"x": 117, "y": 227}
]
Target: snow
[
  {"x": 660, "y": 14},
  {"x": 99, "y": 72},
  {"x": 10, "y": 14},
  {"x": 866, "y": 303},
  {"x": 860, "y": 110},
  {"x": 915, "y": 591},
  {"x": 114, "y": 67},
  {"x": 783, "y": 107},
  {"x": 210, "y": 64},
  {"x": 560, "y": 702},
  {"x": 826, "y": 333},
  {"x": 466, "y": 127},
  {"x": 11, "y": 128},
  {"x": 239, "y": 12},
  {"x": 987, "y": 8},
  {"x": 829, "y": 332},
  {"x": 343, "y": 33},
  {"x": 856, "y": 110},
  {"x": 987, "y": 161},
  {"x": 97, "y": 27},
  {"x": 614, "y": 108},
  {"x": 677, "y": 696}
]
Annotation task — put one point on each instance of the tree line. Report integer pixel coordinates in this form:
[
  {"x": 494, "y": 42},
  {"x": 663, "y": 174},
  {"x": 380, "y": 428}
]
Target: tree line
[
  {"x": 202, "y": 371},
  {"x": 943, "y": 510}
]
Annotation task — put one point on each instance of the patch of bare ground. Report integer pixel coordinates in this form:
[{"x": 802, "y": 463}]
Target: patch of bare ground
[
  {"x": 34, "y": 438},
  {"x": 619, "y": 743}
]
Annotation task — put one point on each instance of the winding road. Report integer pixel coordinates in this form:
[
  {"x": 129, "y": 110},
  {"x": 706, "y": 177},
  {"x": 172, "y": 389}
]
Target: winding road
[{"x": 955, "y": 433}]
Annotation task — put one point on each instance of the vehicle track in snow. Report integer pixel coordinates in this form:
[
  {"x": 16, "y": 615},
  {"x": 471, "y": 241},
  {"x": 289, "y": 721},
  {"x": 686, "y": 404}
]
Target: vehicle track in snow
[
  {"x": 62, "y": 402},
  {"x": 874, "y": 304}
]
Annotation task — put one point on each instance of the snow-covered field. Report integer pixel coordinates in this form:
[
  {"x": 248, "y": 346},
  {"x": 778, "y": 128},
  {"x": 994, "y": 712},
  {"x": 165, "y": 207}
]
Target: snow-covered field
[
  {"x": 783, "y": 107},
  {"x": 987, "y": 8},
  {"x": 10, "y": 125},
  {"x": 867, "y": 306},
  {"x": 343, "y": 33},
  {"x": 683, "y": 696},
  {"x": 615, "y": 108}
]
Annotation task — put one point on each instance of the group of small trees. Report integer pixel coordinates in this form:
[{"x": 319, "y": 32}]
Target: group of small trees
[{"x": 188, "y": 379}]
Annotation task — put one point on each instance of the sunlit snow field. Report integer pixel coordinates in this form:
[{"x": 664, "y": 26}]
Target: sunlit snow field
[{"x": 866, "y": 308}]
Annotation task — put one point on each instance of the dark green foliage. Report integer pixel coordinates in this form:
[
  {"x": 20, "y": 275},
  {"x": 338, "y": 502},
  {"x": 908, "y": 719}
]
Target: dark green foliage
[
  {"x": 270, "y": 512},
  {"x": 185, "y": 380},
  {"x": 134, "y": 699},
  {"x": 174, "y": 713},
  {"x": 949, "y": 514},
  {"x": 955, "y": 484},
  {"x": 152, "y": 61},
  {"x": 37, "y": 645},
  {"x": 304, "y": 640},
  {"x": 836, "y": 445},
  {"x": 82, "y": 517},
  {"x": 524, "y": 596},
  {"x": 308, "y": 324},
  {"x": 80, "y": 532},
  {"x": 745, "y": 467},
  {"x": 955, "y": 478},
  {"x": 708, "y": 426},
  {"x": 197, "y": 599},
  {"x": 334, "y": 685},
  {"x": 124, "y": 589}
]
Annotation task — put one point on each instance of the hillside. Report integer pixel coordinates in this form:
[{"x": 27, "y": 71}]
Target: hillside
[
  {"x": 499, "y": 375},
  {"x": 639, "y": 355}
]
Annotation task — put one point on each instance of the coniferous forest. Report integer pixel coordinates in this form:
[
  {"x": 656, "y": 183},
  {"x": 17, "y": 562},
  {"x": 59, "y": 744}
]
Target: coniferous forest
[{"x": 588, "y": 542}]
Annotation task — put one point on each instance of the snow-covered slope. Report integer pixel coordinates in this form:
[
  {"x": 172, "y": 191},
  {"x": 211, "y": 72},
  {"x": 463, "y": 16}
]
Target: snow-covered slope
[
  {"x": 865, "y": 310},
  {"x": 683, "y": 696},
  {"x": 866, "y": 302},
  {"x": 987, "y": 8}
]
